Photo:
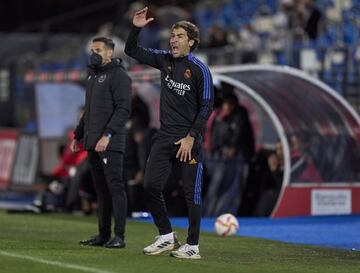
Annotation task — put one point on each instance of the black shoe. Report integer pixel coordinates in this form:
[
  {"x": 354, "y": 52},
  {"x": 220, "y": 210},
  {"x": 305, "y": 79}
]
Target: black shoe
[
  {"x": 94, "y": 241},
  {"x": 116, "y": 242}
]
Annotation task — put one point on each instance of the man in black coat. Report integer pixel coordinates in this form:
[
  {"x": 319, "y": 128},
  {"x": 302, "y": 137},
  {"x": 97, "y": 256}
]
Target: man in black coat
[{"x": 102, "y": 130}]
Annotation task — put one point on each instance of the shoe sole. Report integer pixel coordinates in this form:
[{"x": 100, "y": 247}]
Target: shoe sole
[
  {"x": 159, "y": 251},
  {"x": 92, "y": 245},
  {"x": 194, "y": 257},
  {"x": 122, "y": 246}
]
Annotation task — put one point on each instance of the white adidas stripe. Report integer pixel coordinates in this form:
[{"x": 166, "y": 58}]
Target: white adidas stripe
[{"x": 55, "y": 263}]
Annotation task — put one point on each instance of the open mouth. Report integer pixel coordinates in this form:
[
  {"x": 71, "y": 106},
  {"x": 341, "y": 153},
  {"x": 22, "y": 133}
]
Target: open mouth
[{"x": 175, "y": 49}]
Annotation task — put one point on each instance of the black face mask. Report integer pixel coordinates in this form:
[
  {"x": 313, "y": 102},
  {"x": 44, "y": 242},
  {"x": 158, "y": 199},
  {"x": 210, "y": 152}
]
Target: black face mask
[{"x": 95, "y": 60}]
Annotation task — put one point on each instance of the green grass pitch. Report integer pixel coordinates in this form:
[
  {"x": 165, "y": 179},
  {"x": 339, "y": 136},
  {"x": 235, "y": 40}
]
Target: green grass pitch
[{"x": 49, "y": 243}]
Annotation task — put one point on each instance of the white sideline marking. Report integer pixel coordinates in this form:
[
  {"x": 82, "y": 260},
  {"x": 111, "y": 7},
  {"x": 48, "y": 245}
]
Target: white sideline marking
[{"x": 56, "y": 263}]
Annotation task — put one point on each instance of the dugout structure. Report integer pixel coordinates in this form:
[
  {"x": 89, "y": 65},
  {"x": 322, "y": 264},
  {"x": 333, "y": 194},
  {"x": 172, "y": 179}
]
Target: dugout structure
[{"x": 319, "y": 133}]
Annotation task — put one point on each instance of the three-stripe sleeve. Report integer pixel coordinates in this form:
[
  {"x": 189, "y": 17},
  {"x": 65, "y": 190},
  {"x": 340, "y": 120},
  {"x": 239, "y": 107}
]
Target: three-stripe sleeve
[{"x": 206, "y": 97}]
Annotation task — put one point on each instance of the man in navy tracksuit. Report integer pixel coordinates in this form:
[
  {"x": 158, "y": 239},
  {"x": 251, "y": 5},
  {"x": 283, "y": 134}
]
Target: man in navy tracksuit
[{"x": 185, "y": 105}]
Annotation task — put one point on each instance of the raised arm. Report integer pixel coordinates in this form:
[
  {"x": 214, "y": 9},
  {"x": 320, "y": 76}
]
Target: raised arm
[{"x": 152, "y": 57}]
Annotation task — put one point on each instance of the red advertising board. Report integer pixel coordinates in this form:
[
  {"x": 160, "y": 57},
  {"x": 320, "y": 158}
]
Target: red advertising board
[
  {"x": 319, "y": 200},
  {"x": 8, "y": 139}
]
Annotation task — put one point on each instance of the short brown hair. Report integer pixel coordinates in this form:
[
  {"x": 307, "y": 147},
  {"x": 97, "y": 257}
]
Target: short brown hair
[
  {"x": 191, "y": 30},
  {"x": 109, "y": 44}
]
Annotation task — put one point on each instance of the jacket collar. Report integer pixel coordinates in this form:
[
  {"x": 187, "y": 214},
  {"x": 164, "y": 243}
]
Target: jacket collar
[{"x": 116, "y": 62}]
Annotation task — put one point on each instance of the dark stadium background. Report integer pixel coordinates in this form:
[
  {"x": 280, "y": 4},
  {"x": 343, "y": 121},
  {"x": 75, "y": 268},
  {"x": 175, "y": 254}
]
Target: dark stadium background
[
  {"x": 84, "y": 15},
  {"x": 44, "y": 58}
]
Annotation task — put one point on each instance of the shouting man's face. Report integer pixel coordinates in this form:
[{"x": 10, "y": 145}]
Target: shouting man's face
[{"x": 179, "y": 42}]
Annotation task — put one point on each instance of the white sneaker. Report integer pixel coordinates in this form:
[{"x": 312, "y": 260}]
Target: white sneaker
[
  {"x": 187, "y": 252},
  {"x": 162, "y": 243}
]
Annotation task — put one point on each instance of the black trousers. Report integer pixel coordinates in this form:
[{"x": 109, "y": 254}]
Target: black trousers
[
  {"x": 158, "y": 168},
  {"x": 107, "y": 171}
]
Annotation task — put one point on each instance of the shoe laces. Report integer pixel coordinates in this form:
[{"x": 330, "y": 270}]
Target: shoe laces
[
  {"x": 184, "y": 248},
  {"x": 187, "y": 247},
  {"x": 112, "y": 240},
  {"x": 158, "y": 239}
]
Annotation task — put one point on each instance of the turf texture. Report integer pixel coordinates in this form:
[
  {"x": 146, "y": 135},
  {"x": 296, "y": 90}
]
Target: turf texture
[{"x": 49, "y": 243}]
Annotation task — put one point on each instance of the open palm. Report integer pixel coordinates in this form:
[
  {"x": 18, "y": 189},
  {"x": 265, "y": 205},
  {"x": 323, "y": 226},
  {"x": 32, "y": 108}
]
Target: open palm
[{"x": 139, "y": 19}]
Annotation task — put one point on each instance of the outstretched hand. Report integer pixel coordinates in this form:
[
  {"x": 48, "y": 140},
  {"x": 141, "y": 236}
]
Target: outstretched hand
[{"x": 139, "y": 19}]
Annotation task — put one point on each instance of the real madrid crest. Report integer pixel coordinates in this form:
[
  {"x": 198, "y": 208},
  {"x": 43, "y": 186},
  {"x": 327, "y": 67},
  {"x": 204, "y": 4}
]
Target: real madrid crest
[
  {"x": 187, "y": 74},
  {"x": 102, "y": 78}
]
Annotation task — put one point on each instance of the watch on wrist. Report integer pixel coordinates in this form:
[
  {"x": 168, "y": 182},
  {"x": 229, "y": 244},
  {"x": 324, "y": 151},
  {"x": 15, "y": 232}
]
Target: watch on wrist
[{"x": 108, "y": 135}]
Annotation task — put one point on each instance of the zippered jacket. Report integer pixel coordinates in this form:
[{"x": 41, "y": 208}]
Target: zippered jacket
[{"x": 107, "y": 106}]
